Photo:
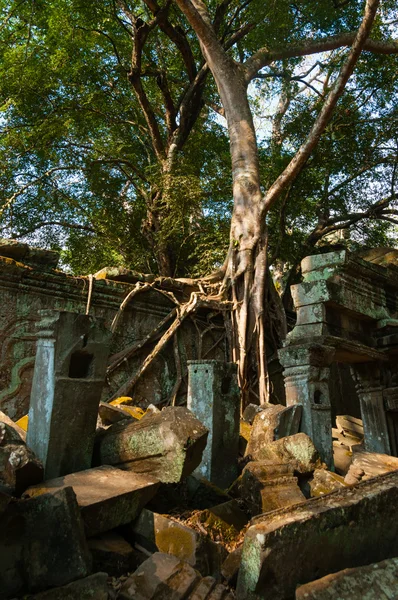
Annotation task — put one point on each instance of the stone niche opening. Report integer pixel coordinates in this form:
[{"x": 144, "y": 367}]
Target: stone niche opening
[{"x": 81, "y": 365}]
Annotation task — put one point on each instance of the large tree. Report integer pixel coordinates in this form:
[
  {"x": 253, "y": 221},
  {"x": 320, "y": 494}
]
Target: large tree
[{"x": 109, "y": 122}]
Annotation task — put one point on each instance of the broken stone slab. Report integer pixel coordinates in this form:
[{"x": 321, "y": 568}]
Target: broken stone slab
[
  {"x": 231, "y": 565},
  {"x": 214, "y": 398},
  {"x": 298, "y": 450},
  {"x": 107, "y": 496},
  {"x": 168, "y": 444},
  {"x": 368, "y": 583},
  {"x": 42, "y": 544},
  {"x": 157, "y": 533},
  {"x": 69, "y": 373},
  {"x": 224, "y": 516},
  {"x": 350, "y": 426},
  {"x": 325, "y": 482},
  {"x": 365, "y": 465},
  {"x": 112, "y": 554},
  {"x": 93, "y": 587},
  {"x": 273, "y": 423},
  {"x": 266, "y": 486},
  {"x": 333, "y": 533},
  {"x": 165, "y": 577},
  {"x": 112, "y": 414},
  {"x": 22, "y": 252},
  {"x": 161, "y": 576}
]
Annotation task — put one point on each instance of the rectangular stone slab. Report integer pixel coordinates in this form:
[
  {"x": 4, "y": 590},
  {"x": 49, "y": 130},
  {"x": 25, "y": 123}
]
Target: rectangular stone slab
[
  {"x": 347, "y": 528},
  {"x": 107, "y": 496}
]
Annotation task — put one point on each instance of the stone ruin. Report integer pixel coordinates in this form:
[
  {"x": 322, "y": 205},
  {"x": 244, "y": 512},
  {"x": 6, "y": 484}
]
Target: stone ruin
[{"x": 109, "y": 497}]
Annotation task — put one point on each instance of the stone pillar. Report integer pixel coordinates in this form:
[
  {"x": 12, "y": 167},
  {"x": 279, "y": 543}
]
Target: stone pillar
[
  {"x": 370, "y": 393},
  {"x": 306, "y": 374},
  {"x": 214, "y": 398},
  {"x": 71, "y": 360}
]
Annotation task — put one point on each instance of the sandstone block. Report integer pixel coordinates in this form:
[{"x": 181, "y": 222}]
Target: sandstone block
[
  {"x": 273, "y": 423},
  {"x": 42, "y": 544},
  {"x": 266, "y": 486},
  {"x": 365, "y": 465},
  {"x": 112, "y": 414},
  {"x": 334, "y": 533},
  {"x": 156, "y": 532},
  {"x": 231, "y": 565},
  {"x": 368, "y": 583},
  {"x": 161, "y": 576},
  {"x": 93, "y": 587},
  {"x": 112, "y": 554},
  {"x": 168, "y": 444},
  {"x": 107, "y": 496},
  {"x": 298, "y": 450},
  {"x": 325, "y": 482}
]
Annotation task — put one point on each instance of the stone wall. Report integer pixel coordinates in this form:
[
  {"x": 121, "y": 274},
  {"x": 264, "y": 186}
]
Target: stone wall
[{"x": 25, "y": 289}]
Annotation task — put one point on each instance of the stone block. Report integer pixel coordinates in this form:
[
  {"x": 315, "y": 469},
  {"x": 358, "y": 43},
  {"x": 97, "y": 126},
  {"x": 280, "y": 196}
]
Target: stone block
[
  {"x": 107, "y": 496},
  {"x": 266, "y": 486},
  {"x": 70, "y": 365},
  {"x": 112, "y": 554},
  {"x": 273, "y": 423},
  {"x": 366, "y": 465},
  {"x": 214, "y": 398},
  {"x": 348, "y": 528},
  {"x": 224, "y": 516},
  {"x": 93, "y": 587},
  {"x": 168, "y": 444},
  {"x": 250, "y": 412},
  {"x": 156, "y": 532},
  {"x": 230, "y": 567},
  {"x": 112, "y": 414},
  {"x": 203, "y": 589},
  {"x": 325, "y": 482},
  {"x": 42, "y": 544},
  {"x": 368, "y": 583},
  {"x": 160, "y": 577},
  {"x": 298, "y": 450},
  {"x": 12, "y": 432}
]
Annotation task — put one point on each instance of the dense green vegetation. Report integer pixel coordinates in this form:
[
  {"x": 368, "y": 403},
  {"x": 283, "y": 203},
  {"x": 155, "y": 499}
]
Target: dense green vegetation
[{"x": 114, "y": 147}]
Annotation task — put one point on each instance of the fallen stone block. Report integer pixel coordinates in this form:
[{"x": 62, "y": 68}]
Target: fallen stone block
[
  {"x": 93, "y": 587},
  {"x": 266, "y": 486},
  {"x": 274, "y": 422},
  {"x": 19, "y": 468},
  {"x": 231, "y": 565},
  {"x": 224, "y": 517},
  {"x": 250, "y": 412},
  {"x": 203, "y": 589},
  {"x": 244, "y": 436},
  {"x": 112, "y": 554},
  {"x": 42, "y": 544},
  {"x": 161, "y": 576},
  {"x": 107, "y": 496},
  {"x": 365, "y": 465},
  {"x": 377, "y": 581},
  {"x": 346, "y": 528},
  {"x": 113, "y": 414},
  {"x": 298, "y": 450},
  {"x": 325, "y": 482},
  {"x": 157, "y": 533},
  {"x": 168, "y": 444}
]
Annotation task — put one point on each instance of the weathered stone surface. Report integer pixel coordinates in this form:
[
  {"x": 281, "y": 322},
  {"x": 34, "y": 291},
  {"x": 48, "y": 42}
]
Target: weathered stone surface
[
  {"x": 250, "y": 412},
  {"x": 93, "y": 587},
  {"x": 325, "y": 482},
  {"x": 112, "y": 554},
  {"x": 214, "y": 398},
  {"x": 368, "y": 583},
  {"x": 160, "y": 577},
  {"x": 272, "y": 423},
  {"x": 333, "y": 533},
  {"x": 25, "y": 254},
  {"x": 155, "y": 532},
  {"x": 107, "y": 496},
  {"x": 203, "y": 589},
  {"x": 169, "y": 444},
  {"x": 266, "y": 486},
  {"x": 231, "y": 565},
  {"x": 365, "y": 465},
  {"x": 112, "y": 414},
  {"x": 298, "y": 450},
  {"x": 42, "y": 544},
  {"x": 71, "y": 359},
  {"x": 224, "y": 516}
]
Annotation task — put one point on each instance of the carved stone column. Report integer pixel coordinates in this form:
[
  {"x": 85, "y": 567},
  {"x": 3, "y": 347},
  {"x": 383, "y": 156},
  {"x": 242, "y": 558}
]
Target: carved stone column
[
  {"x": 370, "y": 393},
  {"x": 307, "y": 369},
  {"x": 71, "y": 359}
]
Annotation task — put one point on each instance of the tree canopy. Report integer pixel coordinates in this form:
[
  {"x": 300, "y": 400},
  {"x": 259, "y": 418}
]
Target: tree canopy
[{"x": 114, "y": 145}]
